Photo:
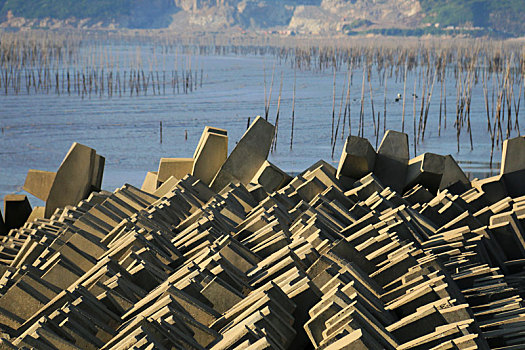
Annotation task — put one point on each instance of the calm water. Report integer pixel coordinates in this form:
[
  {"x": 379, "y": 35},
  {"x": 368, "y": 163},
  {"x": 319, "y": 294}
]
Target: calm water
[{"x": 39, "y": 128}]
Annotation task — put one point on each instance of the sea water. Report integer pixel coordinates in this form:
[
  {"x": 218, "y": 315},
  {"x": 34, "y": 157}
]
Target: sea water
[{"x": 38, "y": 129}]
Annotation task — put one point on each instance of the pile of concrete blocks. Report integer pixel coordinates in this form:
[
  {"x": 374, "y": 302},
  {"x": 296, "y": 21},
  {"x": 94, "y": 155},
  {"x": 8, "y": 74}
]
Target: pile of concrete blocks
[
  {"x": 79, "y": 174},
  {"x": 247, "y": 257}
]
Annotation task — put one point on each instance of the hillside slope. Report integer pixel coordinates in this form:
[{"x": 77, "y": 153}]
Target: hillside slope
[
  {"x": 302, "y": 16},
  {"x": 122, "y": 13}
]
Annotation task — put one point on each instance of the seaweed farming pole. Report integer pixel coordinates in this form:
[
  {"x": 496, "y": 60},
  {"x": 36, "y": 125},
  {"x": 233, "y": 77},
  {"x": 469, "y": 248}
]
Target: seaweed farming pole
[
  {"x": 267, "y": 109},
  {"x": 384, "y": 103},
  {"x": 376, "y": 127},
  {"x": 469, "y": 99},
  {"x": 265, "y": 97},
  {"x": 486, "y": 97},
  {"x": 362, "y": 111},
  {"x": 274, "y": 145},
  {"x": 428, "y": 106},
  {"x": 517, "y": 106},
  {"x": 404, "y": 99},
  {"x": 160, "y": 132},
  {"x": 414, "y": 114},
  {"x": 347, "y": 104},
  {"x": 423, "y": 99},
  {"x": 441, "y": 80},
  {"x": 333, "y": 111},
  {"x": 293, "y": 106},
  {"x": 339, "y": 116},
  {"x": 457, "y": 124}
]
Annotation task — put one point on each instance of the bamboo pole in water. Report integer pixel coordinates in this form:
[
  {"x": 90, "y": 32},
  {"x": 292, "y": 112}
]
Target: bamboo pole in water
[
  {"x": 347, "y": 105},
  {"x": 404, "y": 99},
  {"x": 333, "y": 110},
  {"x": 274, "y": 145},
  {"x": 428, "y": 106},
  {"x": 517, "y": 108},
  {"x": 339, "y": 117},
  {"x": 384, "y": 104},
  {"x": 486, "y": 97},
  {"x": 293, "y": 107},
  {"x": 362, "y": 111},
  {"x": 414, "y": 115},
  {"x": 423, "y": 99}
]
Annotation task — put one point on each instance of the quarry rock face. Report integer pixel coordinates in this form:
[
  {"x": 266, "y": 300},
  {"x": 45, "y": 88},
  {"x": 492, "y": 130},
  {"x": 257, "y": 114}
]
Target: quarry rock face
[
  {"x": 301, "y": 16},
  {"x": 384, "y": 252}
]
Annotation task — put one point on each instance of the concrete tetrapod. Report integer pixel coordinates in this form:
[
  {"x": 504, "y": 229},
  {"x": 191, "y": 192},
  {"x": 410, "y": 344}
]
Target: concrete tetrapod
[
  {"x": 270, "y": 177},
  {"x": 80, "y": 172},
  {"x": 426, "y": 169},
  {"x": 513, "y": 166},
  {"x": 150, "y": 182},
  {"x": 453, "y": 176},
  {"x": 177, "y": 167},
  {"x": 319, "y": 263},
  {"x": 358, "y": 158},
  {"x": 3, "y": 229},
  {"x": 248, "y": 155},
  {"x": 16, "y": 210},
  {"x": 392, "y": 160},
  {"x": 513, "y": 155},
  {"x": 210, "y": 154},
  {"x": 39, "y": 183}
]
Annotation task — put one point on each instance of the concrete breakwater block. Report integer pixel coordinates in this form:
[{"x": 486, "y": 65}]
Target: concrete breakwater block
[
  {"x": 3, "y": 228},
  {"x": 210, "y": 154},
  {"x": 248, "y": 155},
  {"x": 358, "y": 158},
  {"x": 176, "y": 167},
  {"x": 80, "y": 173},
  {"x": 39, "y": 183},
  {"x": 453, "y": 177},
  {"x": 392, "y": 160},
  {"x": 426, "y": 169},
  {"x": 274, "y": 262},
  {"x": 513, "y": 165},
  {"x": 16, "y": 210},
  {"x": 270, "y": 177}
]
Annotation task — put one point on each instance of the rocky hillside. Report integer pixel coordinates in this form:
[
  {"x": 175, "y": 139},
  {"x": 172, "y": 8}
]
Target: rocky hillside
[
  {"x": 298, "y": 16},
  {"x": 87, "y": 13}
]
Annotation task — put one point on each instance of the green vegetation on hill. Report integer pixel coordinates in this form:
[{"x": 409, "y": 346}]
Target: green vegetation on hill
[
  {"x": 130, "y": 13},
  {"x": 500, "y": 15},
  {"x": 62, "y": 9}
]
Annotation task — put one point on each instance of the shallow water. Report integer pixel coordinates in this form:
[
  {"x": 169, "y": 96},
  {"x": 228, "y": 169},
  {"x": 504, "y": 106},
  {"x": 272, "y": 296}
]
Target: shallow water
[{"x": 38, "y": 129}]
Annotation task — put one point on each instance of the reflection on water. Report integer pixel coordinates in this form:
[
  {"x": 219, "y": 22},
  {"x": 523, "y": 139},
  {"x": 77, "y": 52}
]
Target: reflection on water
[{"x": 38, "y": 129}]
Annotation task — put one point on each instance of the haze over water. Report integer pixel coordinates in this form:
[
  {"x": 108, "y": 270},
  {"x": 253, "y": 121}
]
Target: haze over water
[{"x": 38, "y": 129}]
